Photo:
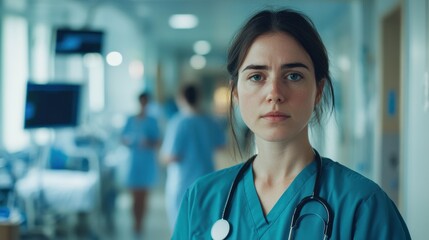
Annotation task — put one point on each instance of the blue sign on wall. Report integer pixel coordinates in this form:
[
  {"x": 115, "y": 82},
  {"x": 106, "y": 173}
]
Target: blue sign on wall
[{"x": 391, "y": 103}]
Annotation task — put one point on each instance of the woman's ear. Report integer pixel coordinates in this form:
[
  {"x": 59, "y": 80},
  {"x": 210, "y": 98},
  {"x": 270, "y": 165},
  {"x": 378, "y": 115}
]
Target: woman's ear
[
  {"x": 319, "y": 93},
  {"x": 233, "y": 90}
]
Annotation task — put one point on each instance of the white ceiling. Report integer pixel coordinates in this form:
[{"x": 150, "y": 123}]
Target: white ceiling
[{"x": 218, "y": 19}]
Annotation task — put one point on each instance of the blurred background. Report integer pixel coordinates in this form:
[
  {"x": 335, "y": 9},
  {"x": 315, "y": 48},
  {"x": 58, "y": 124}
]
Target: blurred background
[{"x": 71, "y": 71}]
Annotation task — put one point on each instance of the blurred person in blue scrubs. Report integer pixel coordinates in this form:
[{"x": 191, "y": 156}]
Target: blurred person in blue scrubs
[
  {"x": 280, "y": 81},
  {"x": 141, "y": 134},
  {"x": 190, "y": 143}
]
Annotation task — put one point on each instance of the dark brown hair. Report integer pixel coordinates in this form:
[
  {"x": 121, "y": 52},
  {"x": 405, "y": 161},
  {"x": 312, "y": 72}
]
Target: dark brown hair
[
  {"x": 144, "y": 97},
  {"x": 190, "y": 94}
]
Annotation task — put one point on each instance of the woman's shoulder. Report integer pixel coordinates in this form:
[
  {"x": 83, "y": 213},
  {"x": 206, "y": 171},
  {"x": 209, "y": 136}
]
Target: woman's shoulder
[
  {"x": 221, "y": 176},
  {"x": 179, "y": 118},
  {"x": 131, "y": 118},
  {"x": 215, "y": 182},
  {"x": 151, "y": 119},
  {"x": 367, "y": 203},
  {"x": 349, "y": 181},
  {"x": 175, "y": 120}
]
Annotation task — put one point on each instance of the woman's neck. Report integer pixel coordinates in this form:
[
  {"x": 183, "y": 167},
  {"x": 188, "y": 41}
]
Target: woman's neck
[
  {"x": 277, "y": 162},
  {"x": 275, "y": 168},
  {"x": 187, "y": 109},
  {"x": 141, "y": 114}
]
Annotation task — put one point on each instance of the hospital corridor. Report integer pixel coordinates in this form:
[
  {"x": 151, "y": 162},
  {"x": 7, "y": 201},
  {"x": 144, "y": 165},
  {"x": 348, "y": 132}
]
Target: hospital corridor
[{"x": 167, "y": 119}]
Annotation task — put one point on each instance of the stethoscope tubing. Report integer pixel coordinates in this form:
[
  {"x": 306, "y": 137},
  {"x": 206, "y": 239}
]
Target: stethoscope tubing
[
  {"x": 297, "y": 211},
  {"x": 237, "y": 178}
]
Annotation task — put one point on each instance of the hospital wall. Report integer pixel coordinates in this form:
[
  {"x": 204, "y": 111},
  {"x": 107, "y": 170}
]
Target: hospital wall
[
  {"x": 354, "y": 140},
  {"x": 27, "y": 44},
  {"x": 416, "y": 118},
  {"x": 413, "y": 107},
  {"x": 358, "y": 130},
  {"x": 412, "y": 104}
]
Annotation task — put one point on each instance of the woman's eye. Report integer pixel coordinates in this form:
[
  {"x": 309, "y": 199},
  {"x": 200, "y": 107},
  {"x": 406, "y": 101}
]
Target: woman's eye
[
  {"x": 256, "y": 78},
  {"x": 294, "y": 76}
]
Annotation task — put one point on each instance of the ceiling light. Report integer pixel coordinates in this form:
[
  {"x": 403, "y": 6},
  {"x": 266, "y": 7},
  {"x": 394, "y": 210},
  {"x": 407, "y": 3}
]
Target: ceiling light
[
  {"x": 198, "y": 61},
  {"x": 136, "y": 69},
  {"x": 114, "y": 58},
  {"x": 202, "y": 47},
  {"x": 183, "y": 21},
  {"x": 344, "y": 63}
]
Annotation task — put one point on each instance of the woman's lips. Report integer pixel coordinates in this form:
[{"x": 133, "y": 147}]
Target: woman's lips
[{"x": 275, "y": 116}]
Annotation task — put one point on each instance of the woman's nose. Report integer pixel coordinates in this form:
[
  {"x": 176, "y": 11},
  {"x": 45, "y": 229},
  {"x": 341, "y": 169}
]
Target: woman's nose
[{"x": 275, "y": 92}]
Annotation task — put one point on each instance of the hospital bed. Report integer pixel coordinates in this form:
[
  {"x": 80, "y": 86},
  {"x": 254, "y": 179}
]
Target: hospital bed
[{"x": 49, "y": 193}]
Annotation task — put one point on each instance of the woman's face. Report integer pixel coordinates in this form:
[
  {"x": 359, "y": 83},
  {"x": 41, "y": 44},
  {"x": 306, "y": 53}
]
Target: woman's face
[
  {"x": 143, "y": 103},
  {"x": 276, "y": 89}
]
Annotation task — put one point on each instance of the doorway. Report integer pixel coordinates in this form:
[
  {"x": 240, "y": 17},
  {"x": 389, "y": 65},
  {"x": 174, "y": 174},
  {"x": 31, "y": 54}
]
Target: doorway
[{"x": 390, "y": 100}]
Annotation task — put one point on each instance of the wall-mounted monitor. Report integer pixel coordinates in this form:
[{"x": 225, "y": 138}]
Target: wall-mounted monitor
[
  {"x": 52, "y": 105},
  {"x": 71, "y": 41}
]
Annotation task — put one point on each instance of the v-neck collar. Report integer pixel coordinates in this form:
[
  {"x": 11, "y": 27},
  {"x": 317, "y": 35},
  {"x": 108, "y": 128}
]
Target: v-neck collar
[{"x": 263, "y": 222}]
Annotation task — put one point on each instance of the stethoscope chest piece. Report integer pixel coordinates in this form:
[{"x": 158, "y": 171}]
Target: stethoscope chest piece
[{"x": 220, "y": 229}]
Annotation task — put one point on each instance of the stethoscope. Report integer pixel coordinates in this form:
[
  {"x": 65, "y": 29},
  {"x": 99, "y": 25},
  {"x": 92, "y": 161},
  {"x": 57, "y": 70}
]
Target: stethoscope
[{"x": 221, "y": 227}]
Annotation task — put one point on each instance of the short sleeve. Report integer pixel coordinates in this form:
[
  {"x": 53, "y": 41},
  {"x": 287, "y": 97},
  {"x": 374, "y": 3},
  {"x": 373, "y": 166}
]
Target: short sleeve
[
  {"x": 127, "y": 128},
  {"x": 173, "y": 139},
  {"x": 378, "y": 218}
]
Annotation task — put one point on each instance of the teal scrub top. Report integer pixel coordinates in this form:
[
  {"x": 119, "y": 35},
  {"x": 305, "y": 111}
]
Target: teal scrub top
[{"x": 361, "y": 209}]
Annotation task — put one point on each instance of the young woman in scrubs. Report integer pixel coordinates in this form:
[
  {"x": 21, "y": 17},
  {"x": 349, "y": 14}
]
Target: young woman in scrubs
[
  {"x": 141, "y": 134},
  {"x": 280, "y": 83},
  {"x": 191, "y": 140}
]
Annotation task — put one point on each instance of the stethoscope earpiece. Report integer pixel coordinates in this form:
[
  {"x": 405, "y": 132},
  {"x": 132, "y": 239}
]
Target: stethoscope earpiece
[{"x": 220, "y": 229}]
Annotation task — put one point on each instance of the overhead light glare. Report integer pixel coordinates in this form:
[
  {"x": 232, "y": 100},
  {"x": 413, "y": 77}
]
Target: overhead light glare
[
  {"x": 197, "y": 62},
  {"x": 202, "y": 47},
  {"x": 344, "y": 63},
  {"x": 136, "y": 69},
  {"x": 183, "y": 21},
  {"x": 114, "y": 58}
]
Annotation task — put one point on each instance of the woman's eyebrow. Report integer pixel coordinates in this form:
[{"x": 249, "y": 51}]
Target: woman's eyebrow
[
  {"x": 255, "y": 67},
  {"x": 284, "y": 66},
  {"x": 294, "y": 65}
]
